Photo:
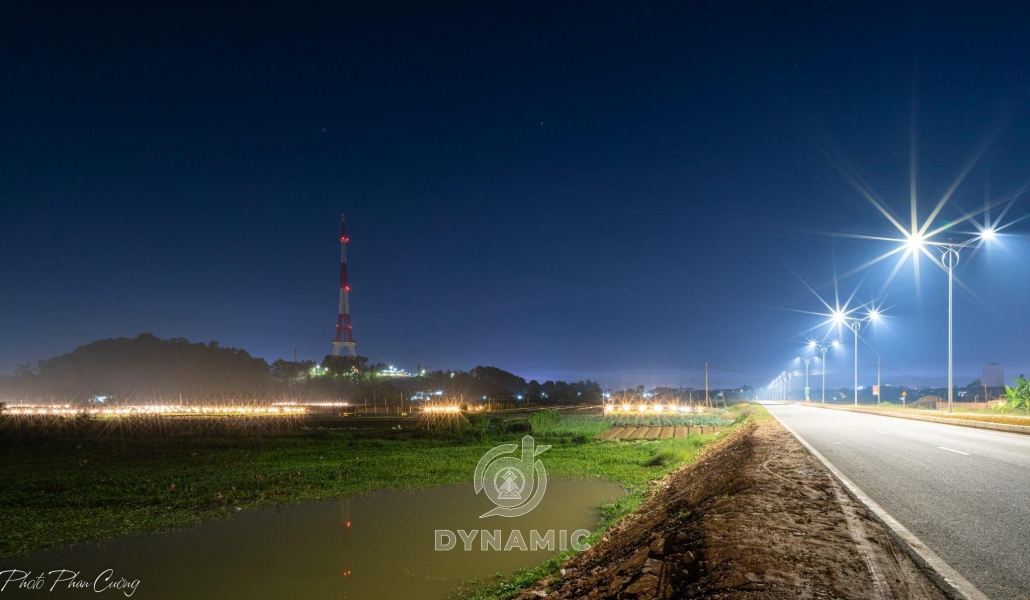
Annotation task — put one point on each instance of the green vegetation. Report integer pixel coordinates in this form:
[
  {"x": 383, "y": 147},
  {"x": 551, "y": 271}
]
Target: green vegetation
[
  {"x": 665, "y": 456},
  {"x": 658, "y": 459},
  {"x": 717, "y": 417},
  {"x": 1018, "y": 397},
  {"x": 68, "y": 492},
  {"x": 579, "y": 427},
  {"x": 680, "y": 451}
]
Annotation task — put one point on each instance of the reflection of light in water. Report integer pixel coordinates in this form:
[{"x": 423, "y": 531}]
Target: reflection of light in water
[
  {"x": 345, "y": 524},
  {"x": 346, "y": 572}
]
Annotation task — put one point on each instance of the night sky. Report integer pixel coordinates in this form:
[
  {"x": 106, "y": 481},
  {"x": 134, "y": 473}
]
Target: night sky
[{"x": 564, "y": 190}]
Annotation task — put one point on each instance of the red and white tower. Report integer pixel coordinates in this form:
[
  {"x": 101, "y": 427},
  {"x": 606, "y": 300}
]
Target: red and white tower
[{"x": 344, "y": 335}]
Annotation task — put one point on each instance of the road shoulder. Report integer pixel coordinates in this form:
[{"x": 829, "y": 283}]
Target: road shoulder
[
  {"x": 943, "y": 574},
  {"x": 756, "y": 516}
]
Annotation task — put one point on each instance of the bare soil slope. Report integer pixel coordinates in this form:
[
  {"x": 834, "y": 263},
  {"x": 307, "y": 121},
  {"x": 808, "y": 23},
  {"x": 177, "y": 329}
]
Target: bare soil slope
[{"x": 755, "y": 517}]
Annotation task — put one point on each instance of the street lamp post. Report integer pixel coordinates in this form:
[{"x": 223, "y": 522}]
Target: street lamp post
[
  {"x": 949, "y": 257},
  {"x": 855, "y": 326},
  {"x": 822, "y": 350},
  {"x": 949, "y": 260}
]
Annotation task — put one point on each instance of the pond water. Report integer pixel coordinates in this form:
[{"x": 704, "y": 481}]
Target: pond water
[{"x": 378, "y": 546}]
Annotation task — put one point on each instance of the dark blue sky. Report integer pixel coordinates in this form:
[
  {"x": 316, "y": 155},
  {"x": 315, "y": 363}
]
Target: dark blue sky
[{"x": 620, "y": 193}]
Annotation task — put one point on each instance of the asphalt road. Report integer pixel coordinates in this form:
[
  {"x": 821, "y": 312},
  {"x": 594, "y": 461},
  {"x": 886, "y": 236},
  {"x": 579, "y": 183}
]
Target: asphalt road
[{"x": 964, "y": 492}]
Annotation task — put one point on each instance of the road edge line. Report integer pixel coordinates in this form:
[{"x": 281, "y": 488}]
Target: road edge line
[{"x": 940, "y": 572}]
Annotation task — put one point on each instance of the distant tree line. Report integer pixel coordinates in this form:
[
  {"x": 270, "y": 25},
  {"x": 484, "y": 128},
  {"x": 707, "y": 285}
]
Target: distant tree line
[{"x": 150, "y": 369}]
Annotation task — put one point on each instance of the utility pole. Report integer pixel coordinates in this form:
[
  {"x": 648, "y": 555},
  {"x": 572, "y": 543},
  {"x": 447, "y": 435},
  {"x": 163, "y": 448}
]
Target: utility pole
[{"x": 707, "y": 401}]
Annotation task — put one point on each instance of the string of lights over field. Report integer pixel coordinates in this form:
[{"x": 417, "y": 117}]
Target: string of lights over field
[
  {"x": 169, "y": 410},
  {"x": 653, "y": 408},
  {"x": 297, "y": 408}
]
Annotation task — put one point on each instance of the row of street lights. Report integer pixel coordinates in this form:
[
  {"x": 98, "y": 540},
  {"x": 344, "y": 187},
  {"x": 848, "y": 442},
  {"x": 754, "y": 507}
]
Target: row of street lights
[
  {"x": 784, "y": 378},
  {"x": 915, "y": 243}
]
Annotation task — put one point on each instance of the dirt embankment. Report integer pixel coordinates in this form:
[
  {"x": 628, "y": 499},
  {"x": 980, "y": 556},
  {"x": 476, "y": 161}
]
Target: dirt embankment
[{"x": 755, "y": 517}]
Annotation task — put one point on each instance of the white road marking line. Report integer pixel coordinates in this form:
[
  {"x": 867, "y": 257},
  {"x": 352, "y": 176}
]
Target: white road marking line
[
  {"x": 955, "y": 451},
  {"x": 883, "y": 432},
  {"x": 838, "y": 442}
]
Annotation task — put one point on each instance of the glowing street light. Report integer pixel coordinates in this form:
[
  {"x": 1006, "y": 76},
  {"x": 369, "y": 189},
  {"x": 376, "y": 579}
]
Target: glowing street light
[
  {"x": 915, "y": 242},
  {"x": 918, "y": 239}
]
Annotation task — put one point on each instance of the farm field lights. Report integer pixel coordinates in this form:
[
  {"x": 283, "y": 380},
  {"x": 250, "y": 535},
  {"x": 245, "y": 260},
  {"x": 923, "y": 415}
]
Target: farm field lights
[
  {"x": 155, "y": 409},
  {"x": 645, "y": 408}
]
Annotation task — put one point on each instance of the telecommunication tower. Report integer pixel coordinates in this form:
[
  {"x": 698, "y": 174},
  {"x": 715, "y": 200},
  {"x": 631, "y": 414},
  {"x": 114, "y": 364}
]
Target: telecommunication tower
[{"x": 344, "y": 342}]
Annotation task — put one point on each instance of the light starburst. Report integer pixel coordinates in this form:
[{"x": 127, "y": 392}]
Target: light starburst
[{"x": 921, "y": 238}]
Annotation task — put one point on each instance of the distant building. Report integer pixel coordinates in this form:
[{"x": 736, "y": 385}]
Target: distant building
[
  {"x": 392, "y": 371},
  {"x": 427, "y": 396},
  {"x": 994, "y": 375}
]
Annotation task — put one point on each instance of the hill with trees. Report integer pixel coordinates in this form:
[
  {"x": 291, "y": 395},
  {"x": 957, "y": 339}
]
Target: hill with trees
[
  {"x": 150, "y": 369},
  {"x": 141, "y": 369}
]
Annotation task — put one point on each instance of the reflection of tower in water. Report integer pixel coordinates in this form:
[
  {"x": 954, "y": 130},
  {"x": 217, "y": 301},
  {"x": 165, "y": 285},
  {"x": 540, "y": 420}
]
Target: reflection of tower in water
[{"x": 345, "y": 524}]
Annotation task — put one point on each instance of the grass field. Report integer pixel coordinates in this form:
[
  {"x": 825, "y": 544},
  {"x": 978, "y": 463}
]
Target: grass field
[
  {"x": 720, "y": 417},
  {"x": 54, "y": 494}
]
